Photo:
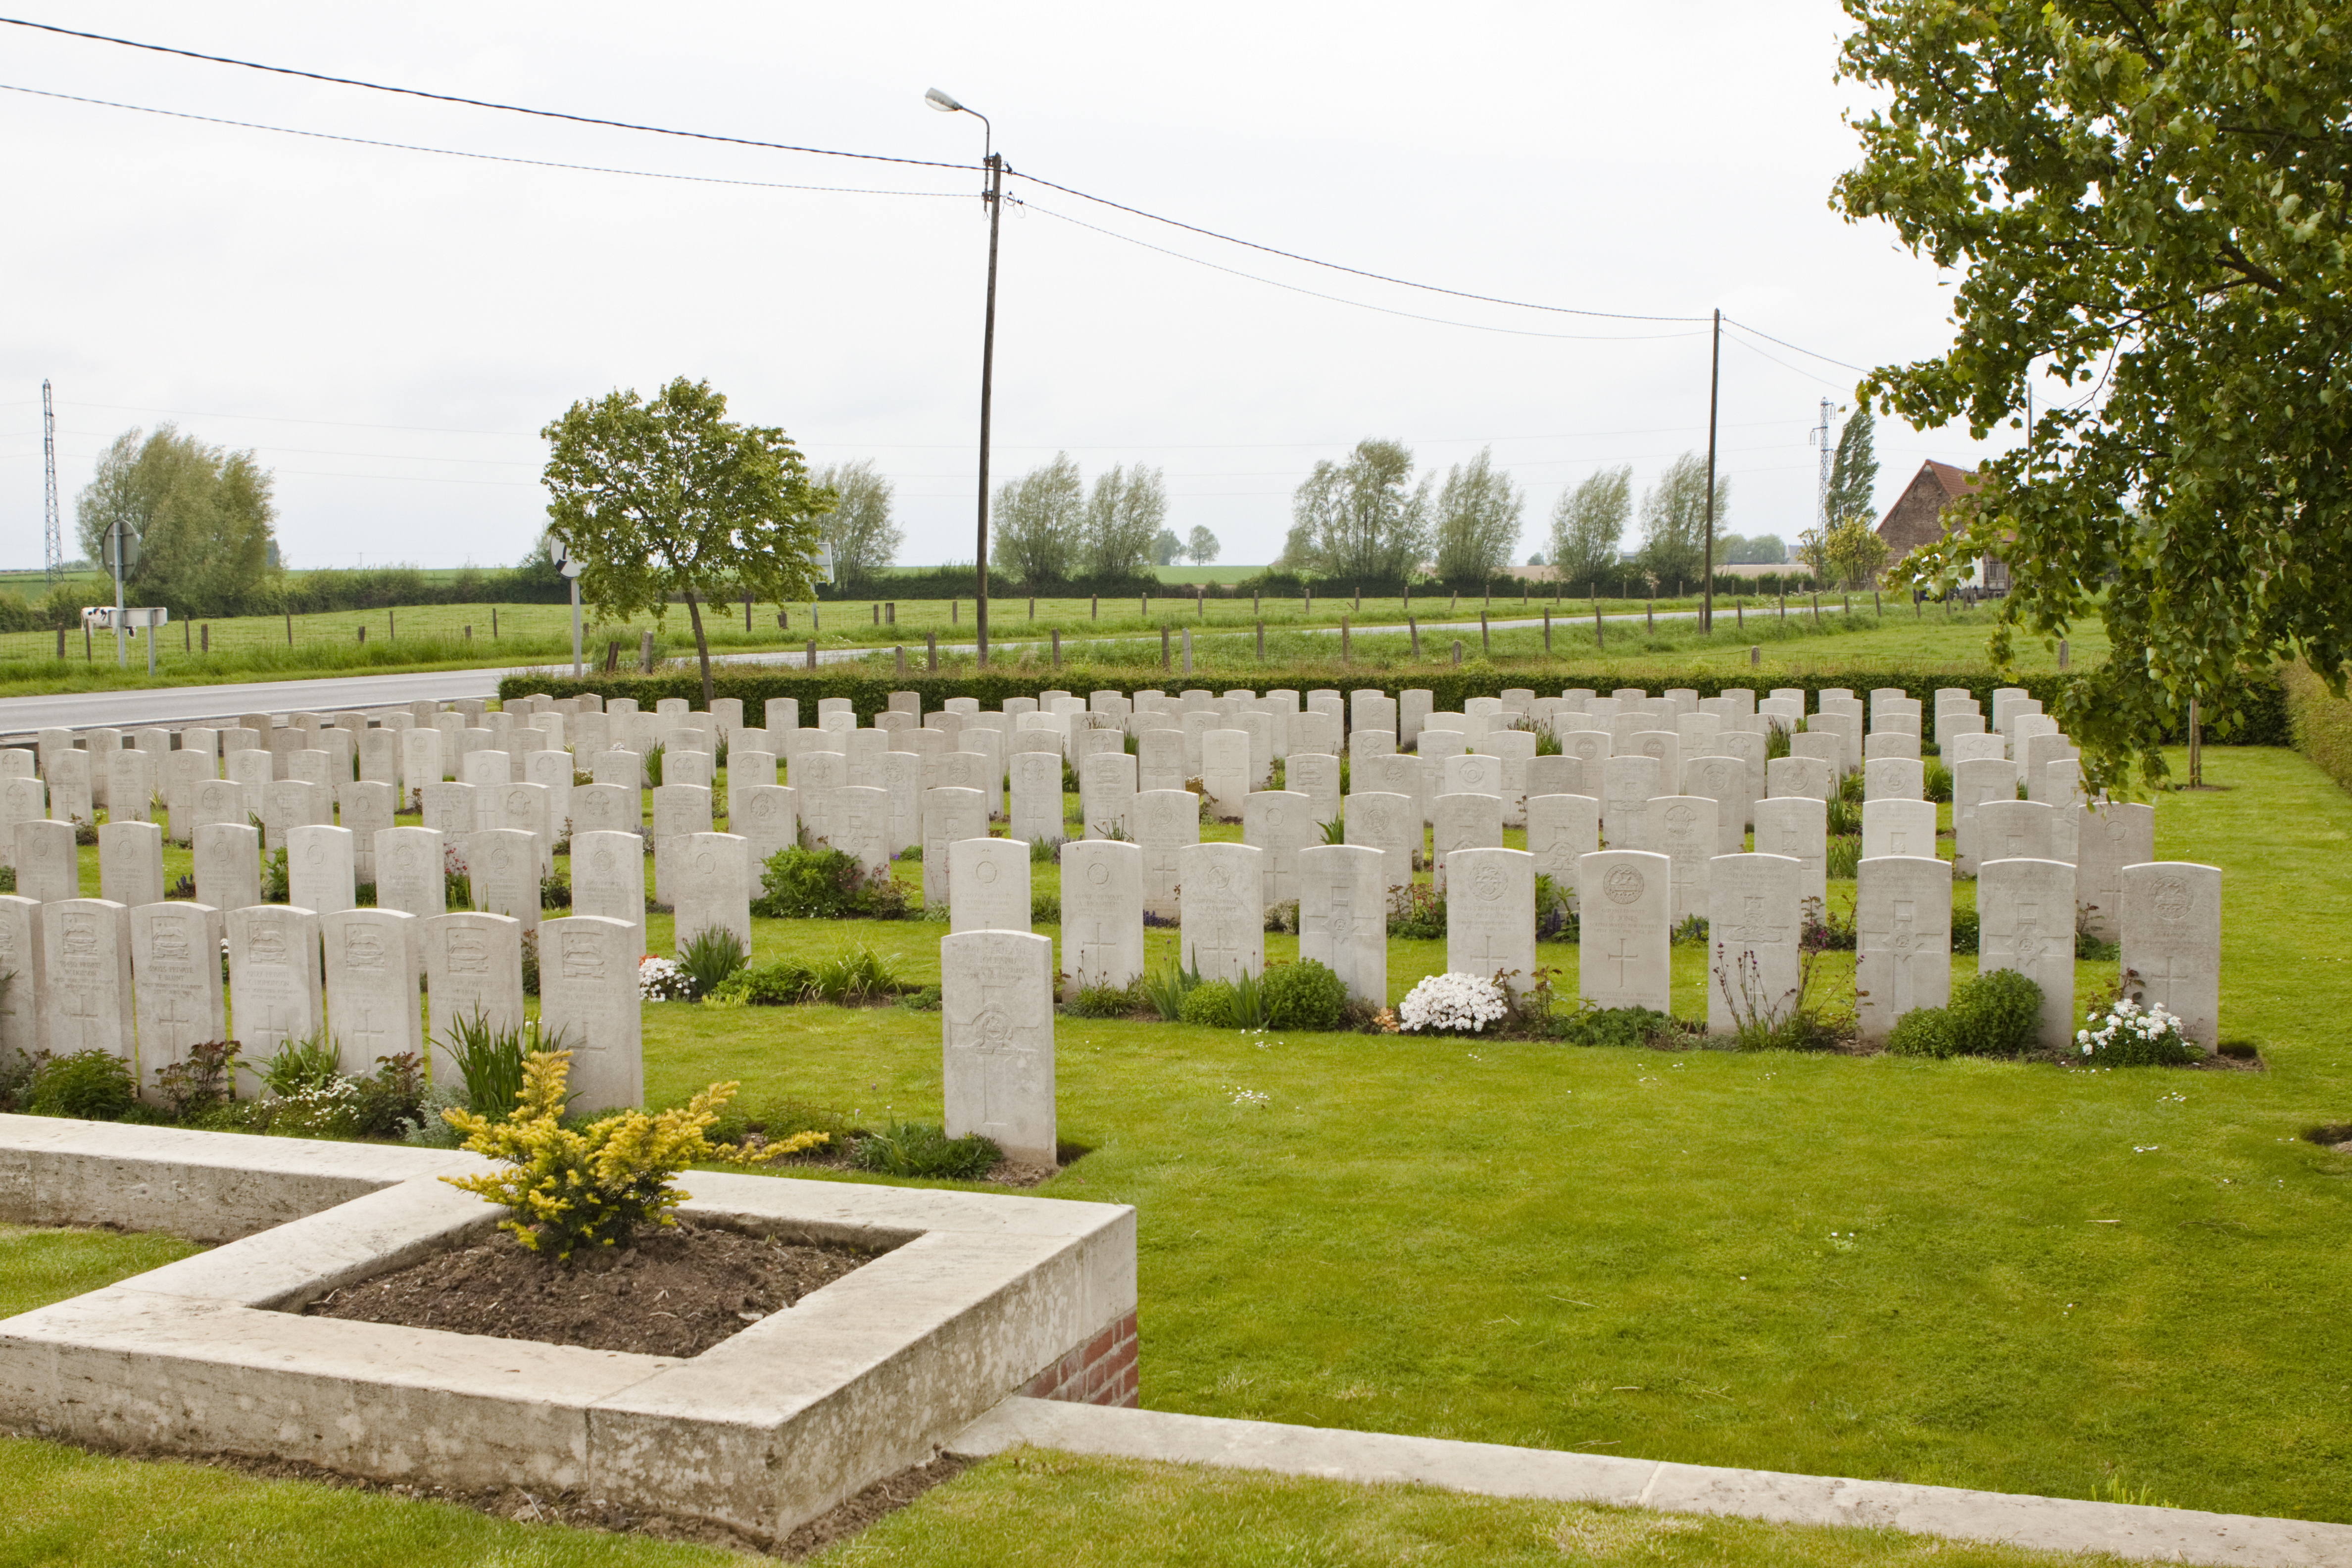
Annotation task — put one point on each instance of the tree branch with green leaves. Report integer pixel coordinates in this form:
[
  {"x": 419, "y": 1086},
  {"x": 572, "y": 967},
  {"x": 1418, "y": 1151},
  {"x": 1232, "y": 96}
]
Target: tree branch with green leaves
[
  {"x": 668, "y": 497},
  {"x": 2148, "y": 201}
]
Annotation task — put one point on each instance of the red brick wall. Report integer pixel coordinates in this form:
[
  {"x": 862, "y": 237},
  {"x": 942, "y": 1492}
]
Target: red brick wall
[{"x": 1100, "y": 1371}]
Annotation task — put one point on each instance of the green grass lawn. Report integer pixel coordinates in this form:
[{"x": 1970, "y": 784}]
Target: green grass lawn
[
  {"x": 2014, "y": 1278},
  {"x": 59, "y": 1506}
]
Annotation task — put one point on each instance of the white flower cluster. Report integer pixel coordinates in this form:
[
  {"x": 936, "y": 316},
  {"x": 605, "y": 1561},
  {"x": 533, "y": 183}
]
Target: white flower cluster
[
  {"x": 1251, "y": 1097},
  {"x": 661, "y": 980},
  {"x": 1451, "y": 1004},
  {"x": 2126, "y": 1020}
]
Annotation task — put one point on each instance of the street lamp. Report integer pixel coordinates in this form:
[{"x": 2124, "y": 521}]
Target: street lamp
[{"x": 994, "y": 199}]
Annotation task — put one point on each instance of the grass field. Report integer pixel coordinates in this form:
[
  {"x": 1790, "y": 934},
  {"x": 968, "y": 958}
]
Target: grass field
[
  {"x": 1109, "y": 635},
  {"x": 1991, "y": 1275}
]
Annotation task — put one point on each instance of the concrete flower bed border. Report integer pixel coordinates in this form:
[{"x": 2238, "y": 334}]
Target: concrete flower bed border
[{"x": 977, "y": 1297}]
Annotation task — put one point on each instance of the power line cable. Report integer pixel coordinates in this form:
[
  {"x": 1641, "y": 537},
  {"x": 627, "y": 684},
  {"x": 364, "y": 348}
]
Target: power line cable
[
  {"x": 830, "y": 153},
  {"x": 478, "y": 103},
  {"x": 1859, "y": 370},
  {"x": 460, "y": 153},
  {"x": 1341, "y": 300}
]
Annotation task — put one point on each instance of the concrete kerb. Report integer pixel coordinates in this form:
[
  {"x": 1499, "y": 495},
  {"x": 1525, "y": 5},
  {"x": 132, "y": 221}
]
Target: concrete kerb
[
  {"x": 2051, "y": 1524},
  {"x": 972, "y": 1295}
]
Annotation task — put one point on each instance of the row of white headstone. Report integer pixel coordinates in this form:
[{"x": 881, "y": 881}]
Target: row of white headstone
[{"x": 145, "y": 983}]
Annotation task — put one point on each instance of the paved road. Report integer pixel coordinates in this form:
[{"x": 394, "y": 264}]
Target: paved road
[{"x": 173, "y": 705}]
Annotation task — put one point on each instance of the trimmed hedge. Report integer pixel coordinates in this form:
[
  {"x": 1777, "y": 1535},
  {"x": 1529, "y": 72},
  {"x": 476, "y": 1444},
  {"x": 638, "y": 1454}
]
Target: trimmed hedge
[
  {"x": 2321, "y": 724},
  {"x": 869, "y": 692}
]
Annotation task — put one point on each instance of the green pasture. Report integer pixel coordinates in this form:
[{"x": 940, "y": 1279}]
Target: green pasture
[{"x": 1107, "y": 633}]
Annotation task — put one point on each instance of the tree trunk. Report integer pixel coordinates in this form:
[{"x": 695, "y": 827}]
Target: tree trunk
[{"x": 701, "y": 645}]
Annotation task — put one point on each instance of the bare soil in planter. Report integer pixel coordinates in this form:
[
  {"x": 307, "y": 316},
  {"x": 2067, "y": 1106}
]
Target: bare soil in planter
[{"x": 677, "y": 1292}]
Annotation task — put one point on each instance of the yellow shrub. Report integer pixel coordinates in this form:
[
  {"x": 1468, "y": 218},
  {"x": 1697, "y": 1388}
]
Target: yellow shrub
[{"x": 595, "y": 1185}]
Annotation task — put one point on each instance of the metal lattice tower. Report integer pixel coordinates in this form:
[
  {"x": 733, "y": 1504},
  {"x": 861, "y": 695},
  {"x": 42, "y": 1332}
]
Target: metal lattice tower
[
  {"x": 1821, "y": 434},
  {"x": 53, "y": 546}
]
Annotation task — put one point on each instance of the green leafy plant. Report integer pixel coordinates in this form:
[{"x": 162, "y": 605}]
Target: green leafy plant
[
  {"x": 803, "y": 883},
  {"x": 1843, "y": 817},
  {"x": 1304, "y": 995},
  {"x": 1556, "y": 917},
  {"x": 1937, "y": 780},
  {"x": 1586, "y": 1024},
  {"x": 308, "y": 1063},
  {"x": 594, "y": 1186},
  {"x": 1044, "y": 851},
  {"x": 95, "y": 1086},
  {"x": 1165, "y": 989},
  {"x": 391, "y": 1100},
  {"x": 530, "y": 945},
  {"x": 711, "y": 955},
  {"x": 847, "y": 979},
  {"x": 275, "y": 887},
  {"x": 1208, "y": 1004},
  {"x": 1417, "y": 910},
  {"x": 776, "y": 984},
  {"x": 1044, "y": 908},
  {"x": 490, "y": 1059},
  {"x": 1967, "y": 929},
  {"x": 1335, "y": 831},
  {"x": 928, "y": 999},
  {"x": 653, "y": 758},
  {"x": 1924, "y": 1032},
  {"x": 1996, "y": 1014},
  {"x": 1842, "y": 857},
  {"x": 1108, "y": 1001},
  {"x": 1249, "y": 1001},
  {"x": 555, "y": 890},
  {"x": 920, "y": 1150},
  {"x": 204, "y": 1082}
]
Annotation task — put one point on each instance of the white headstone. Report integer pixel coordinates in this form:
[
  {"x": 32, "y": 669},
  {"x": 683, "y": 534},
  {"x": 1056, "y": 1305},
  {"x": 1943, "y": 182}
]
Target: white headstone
[
  {"x": 1391, "y": 824},
  {"x": 988, "y": 885},
  {"x": 1755, "y": 934},
  {"x": 997, "y": 1027},
  {"x": 1724, "y": 781},
  {"x": 48, "y": 867},
  {"x": 1797, "y": 827},
  {"x": 175, "y": 980},
  {"x": 1461, "y": 821},
  {"x": 2013, "y": 830},
  {"x": 86, "y": 990},
  {"x": 949, "y": 813},
  {"x": 228, "y": 857},
  {"x": 1682, "y": 827},
  {"x": 130, "y": 862},
  {"x": 1627, "y": 785},
  {"x": 2107, "y": 839},
  {"x": 1281, "y": 823},
  {"x": 1343, "y": 917},
  {"x": 588, "y": 999},
  {"x": 1894, "y": 778},
  {"x": 1903, "y": 943},
  {"x": 1624, "y": 904},
  {"x": 273, "y": 976},
  {"x": 24, "y": 1012},
  {"x": 1490, "y": 915},
  {"x": 1561, "y": 830},
  {"x": 677, "y": 810},
  {"x": 2172, "y": 942},
  {"x": 409, "y": 873},
  {"x": 1037, "y": 798},
  {"x": 1975, "y": 783},
  {"x": 1898, "y": 827},
  {"x": 1102, "y": 913},
  {"x": 502, "y": 869},
  {"x": 713, "y": 875},
  {"x": 320, "y": 873},
  {"x": 1224, "y": 910},
  {"x": 2025, "y": 913},
  {"x": 473, "y": 969},
  {"x": 371, "y": 986},
  {"x": 608, "y": 880},
  {"x": 1315, "y": 776}
]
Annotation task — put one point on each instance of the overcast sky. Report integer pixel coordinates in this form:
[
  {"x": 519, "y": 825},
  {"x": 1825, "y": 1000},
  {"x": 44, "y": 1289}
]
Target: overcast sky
[{"x": 389, "y": 329}]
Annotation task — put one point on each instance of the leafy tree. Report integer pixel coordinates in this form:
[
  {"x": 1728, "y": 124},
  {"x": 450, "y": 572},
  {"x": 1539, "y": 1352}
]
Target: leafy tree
[
  {"x": 1478, "y": 521},
  {"x": 1851, "y": 554},
  {"x": 1125, "y": 518},
  {"x": 1357, "y": 518},
  {"x": 863, "y": 537},
  {"x": 1854, "y": 469},
  {"x": 1674, "y": 517},
  {"x": 1588, "y": 522},
  {"x": 1755, "y": 550},
  {"x": 1201, "y": 546},
  {"x": 1040, "y": 521},
  {"x": 2147, "y": 202},
  {"x": 1166, "y": 547},
  {"x": 1537, "y": 559},
  {"x": 670, "y": 497},
  {"x": 202, "y": 516}
]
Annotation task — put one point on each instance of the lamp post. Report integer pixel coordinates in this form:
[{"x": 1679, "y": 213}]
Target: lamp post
[
  {"x": 559, "y": 554},
  {"x": 995, "y": 197}
]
